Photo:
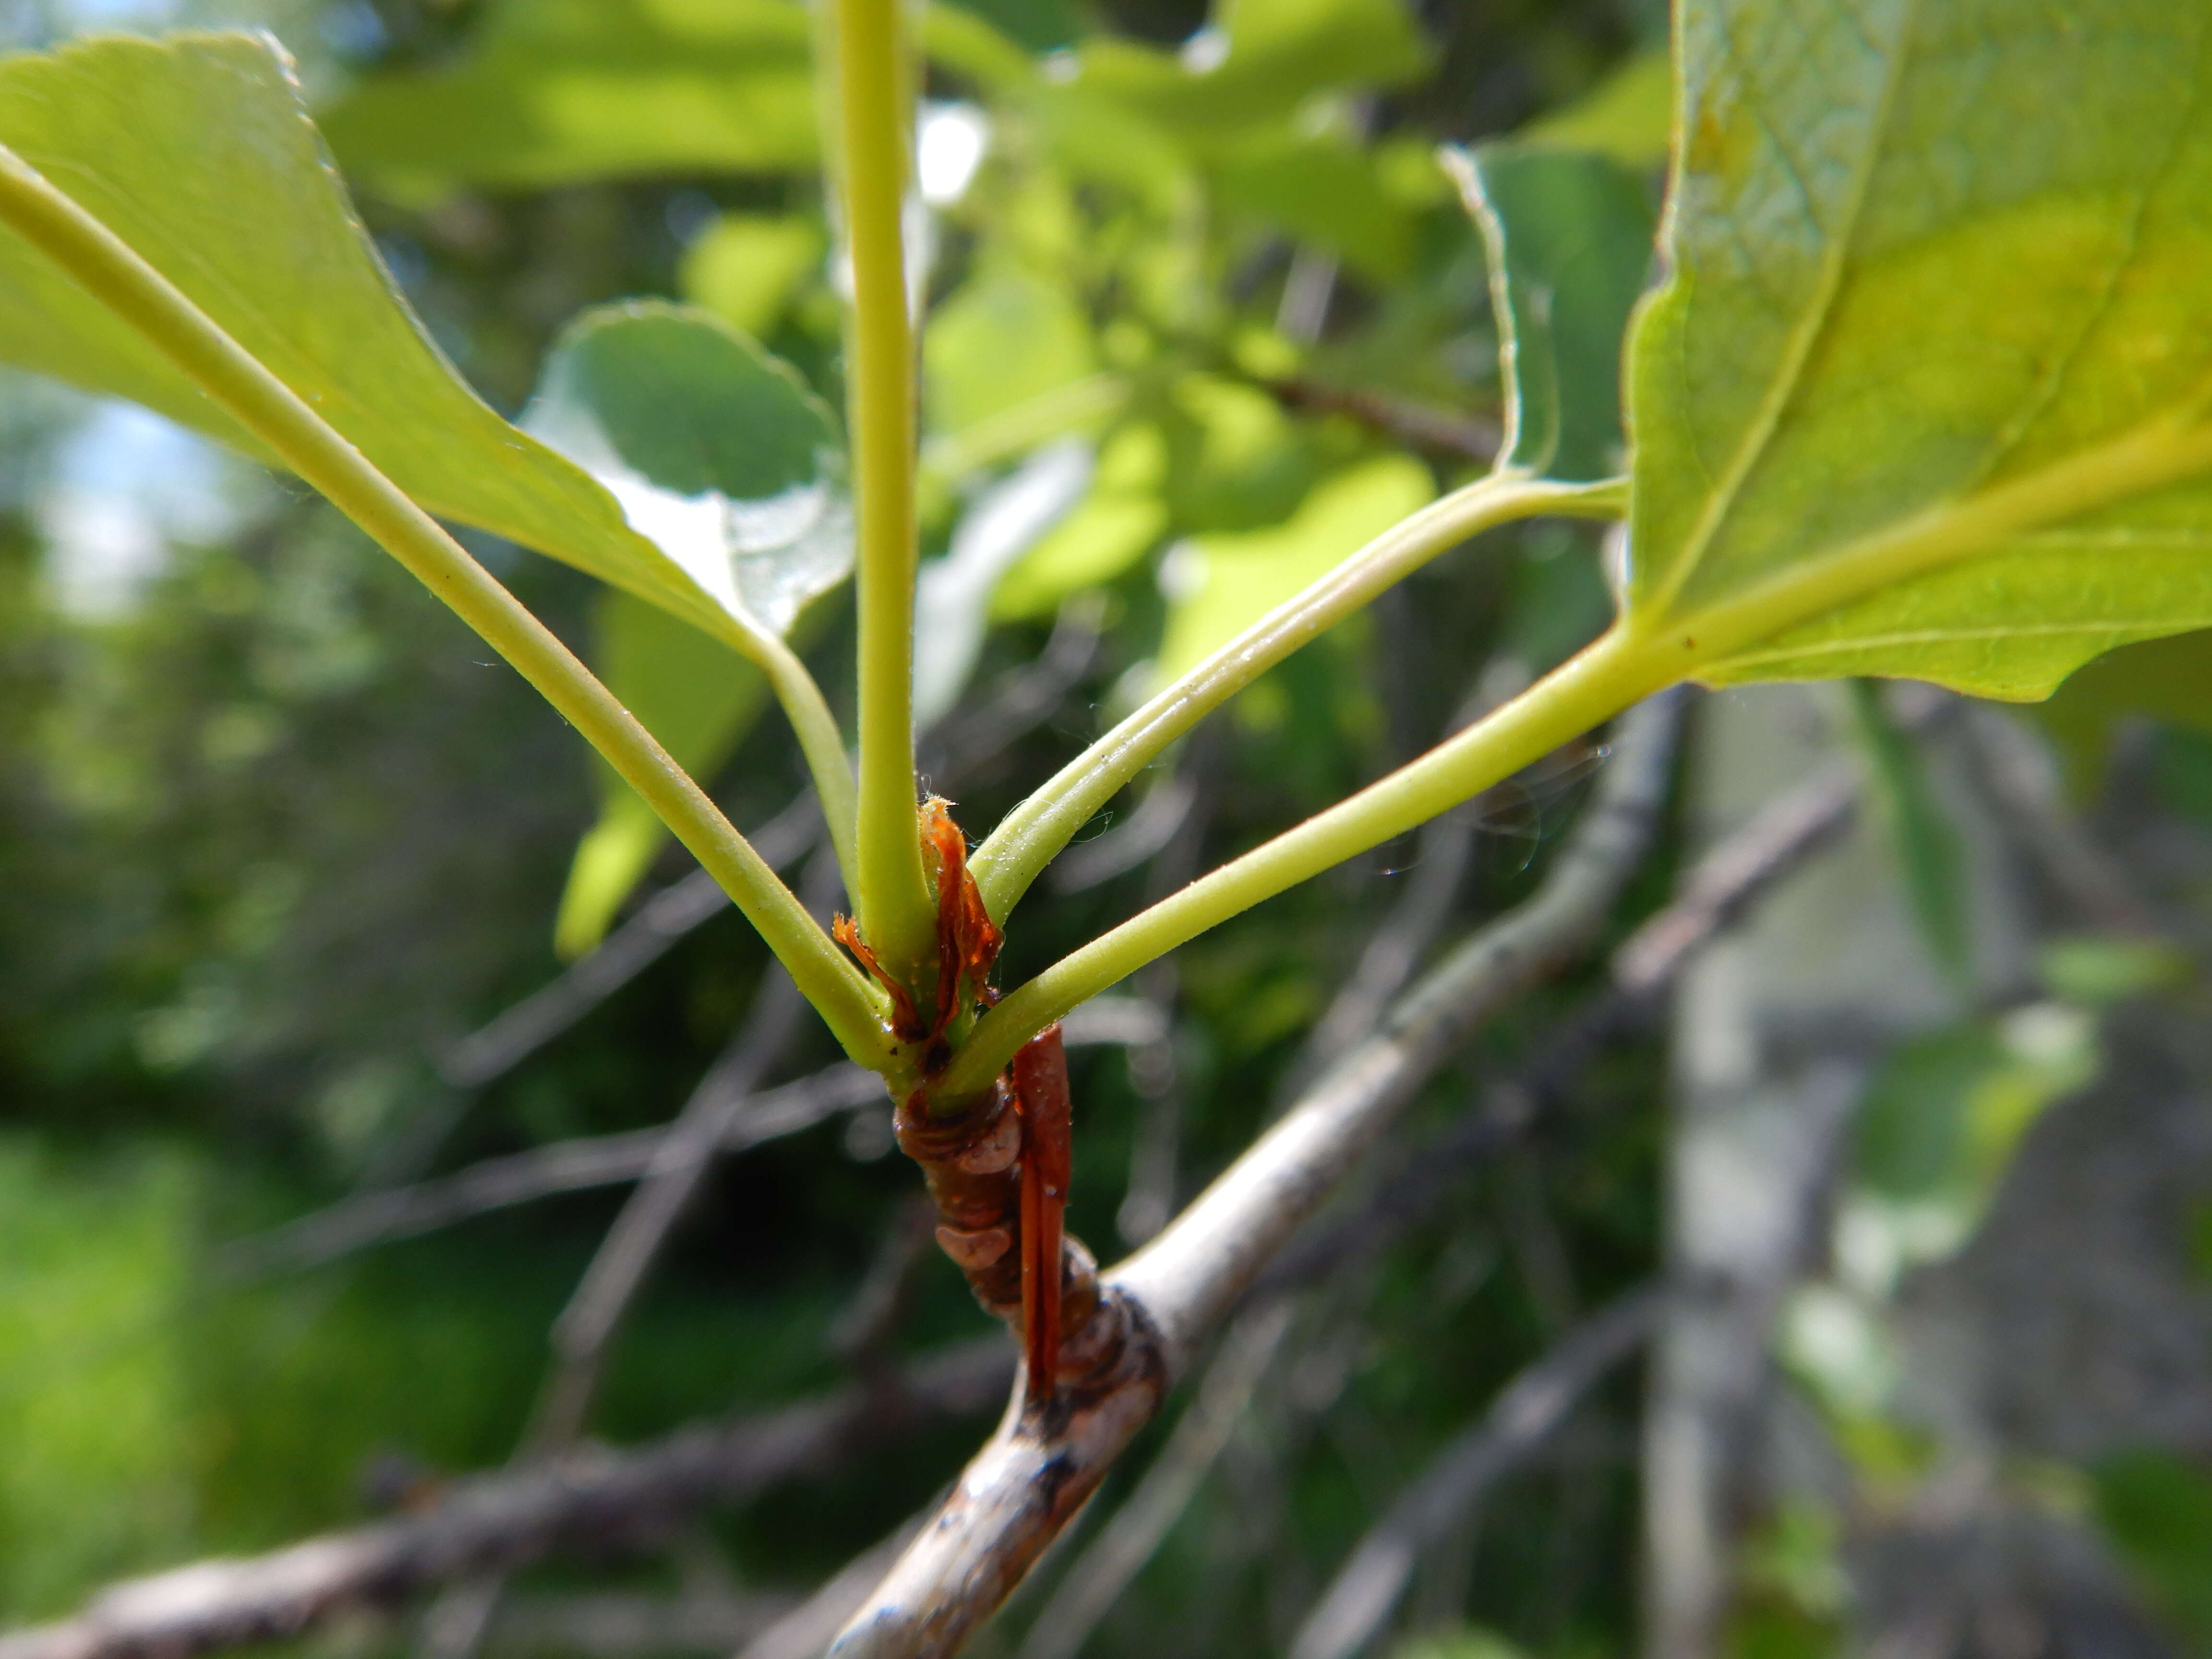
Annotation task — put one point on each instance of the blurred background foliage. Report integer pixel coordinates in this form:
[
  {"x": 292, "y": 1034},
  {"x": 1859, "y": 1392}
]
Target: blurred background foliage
[{"x": 278, "y": 833}]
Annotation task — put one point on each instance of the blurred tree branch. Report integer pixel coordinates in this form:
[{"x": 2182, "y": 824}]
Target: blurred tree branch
[
  {"x": 507, "y": 1519},
  {"x": 587, "y": 1500},
  {"x": 1359, "y": 1599}
]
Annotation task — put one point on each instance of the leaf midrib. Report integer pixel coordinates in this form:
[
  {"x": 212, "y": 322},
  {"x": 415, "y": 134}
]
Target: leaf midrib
[
  {"x": 2168, "y": 449},
  {"x": 1804, "y": 335}
]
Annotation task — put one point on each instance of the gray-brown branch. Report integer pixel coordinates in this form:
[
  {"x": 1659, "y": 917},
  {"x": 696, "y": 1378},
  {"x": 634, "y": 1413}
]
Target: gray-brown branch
[
  {"x": 589, "y": 1501},
  {"x": 509, "y": 1519},
  {"x": 1157, "y": 1306},
  {"x": 593, "y": 1161}
]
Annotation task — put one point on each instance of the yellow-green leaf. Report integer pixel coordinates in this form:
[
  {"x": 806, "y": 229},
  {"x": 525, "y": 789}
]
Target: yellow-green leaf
[
  {"x": 747, "y": 268},
  {"x": 1119, "y": 521},
  {"x": 554, "y": 91},
  {"x": 1219, "y": 586},
  {"x": 1626, "y": 116},
  {"x": 1925, "y": 393},
  {"x": 1009, "y": 336},
  {"x": 1256, "y": 60},
  {"x": 197, "y": 151}
]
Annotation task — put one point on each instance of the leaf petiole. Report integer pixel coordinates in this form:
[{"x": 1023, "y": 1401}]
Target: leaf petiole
[
  {"x": 1035, "y": 832},
  {"x": 820, "y": 743},
  {"x": 1587, "y": 690}
]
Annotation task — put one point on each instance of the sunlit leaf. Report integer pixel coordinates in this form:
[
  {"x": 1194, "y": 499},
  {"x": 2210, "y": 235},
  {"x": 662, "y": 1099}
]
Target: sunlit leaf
[
  {"x": 1256, "y": 60},
  {"x": 1119, "y": 521},
  {"x": 746, "y": 268},
  {"x": 718, "y": 453},
  {"x": 1008, "y": 335},
  {"x": 1925, "y": 392},
  {"x": 1628, "y": 116},
  {"x": 555, "y": 91},
  {"x": 1218, "y": 586},
  {"x": 196, "y": 151},
  {"x": 1569, "y": 237},
  {"x": 1235, "y": 460}
]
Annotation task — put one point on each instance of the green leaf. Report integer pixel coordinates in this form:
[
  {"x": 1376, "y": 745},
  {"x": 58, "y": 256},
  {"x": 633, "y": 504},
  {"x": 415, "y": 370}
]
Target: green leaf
[
  {"x": 1008, "y": 335},
  {"x": 1942, "y": 1120},
  {"x": 715, "y": 449},
  {"x": 699, "y": 699},
  {"x": 747, "y": 268},
  {"x": 560, "y": 91},
  {"x": 98, "y": 1406},
  {"x": 196, "y": 151},
  {"x": 1119, "y": 521},
  {"x": 2157, "y": 1508},
  {"x": 1924, "y": 394},
  {"x": 720, "y": 454},
  {"x": 2168, "y": 680},
  {"x": 1219, "y": 586},
  {"x": 2097, "y": 970},
  {"x": 1569, "y": 239},
  {"x": 1327, "y": 190},
  {"x": 1235, "y": 460},
  {"x": 1628, "y": 116},
  {"x": 1039, "y": 25},
  {"x": 1928, "y": 850},
  {"x": 1256, "y": 61}
]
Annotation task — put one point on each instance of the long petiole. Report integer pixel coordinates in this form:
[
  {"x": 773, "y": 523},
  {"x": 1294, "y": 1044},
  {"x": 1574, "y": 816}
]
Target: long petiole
[
  {"x": 109, "y": 271},
  {"x": 1582, "y": 693},
  {"x": 870, "y": 58},
  {"x": 1033, "y": 834},
  {"x": 828, "y": 765}
]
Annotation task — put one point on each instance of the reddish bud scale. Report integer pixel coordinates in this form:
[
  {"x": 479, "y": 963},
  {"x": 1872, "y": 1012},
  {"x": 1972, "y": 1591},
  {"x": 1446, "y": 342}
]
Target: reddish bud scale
[
  {"x": 1002, "y": 1219},
  {"x": 1047, "y": 1166}
]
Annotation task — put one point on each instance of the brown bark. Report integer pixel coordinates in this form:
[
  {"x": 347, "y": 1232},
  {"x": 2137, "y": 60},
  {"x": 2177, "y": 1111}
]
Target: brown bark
[{"x": 997, "y": 1167}]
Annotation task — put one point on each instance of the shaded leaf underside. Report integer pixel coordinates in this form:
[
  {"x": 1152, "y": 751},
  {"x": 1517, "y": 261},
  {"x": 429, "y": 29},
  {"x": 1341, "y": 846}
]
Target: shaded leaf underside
[{"x": 1939, "y": 279}]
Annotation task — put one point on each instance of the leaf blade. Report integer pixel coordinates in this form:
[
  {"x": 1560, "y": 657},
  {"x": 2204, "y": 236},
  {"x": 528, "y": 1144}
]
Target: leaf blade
[
  {"x": 195, "y": 149},
  {"x": 1912, "y": 327}
]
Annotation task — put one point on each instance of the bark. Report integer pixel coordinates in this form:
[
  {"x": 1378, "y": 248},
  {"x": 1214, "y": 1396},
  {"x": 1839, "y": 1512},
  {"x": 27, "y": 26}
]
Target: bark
[
  {"x": 1156, "y": 1309},
  {"x": 587, "y": 1501}
]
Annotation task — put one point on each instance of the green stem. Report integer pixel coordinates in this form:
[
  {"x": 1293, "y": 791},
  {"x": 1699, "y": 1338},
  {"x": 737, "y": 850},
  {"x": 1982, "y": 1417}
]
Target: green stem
[
  {"x": 1034, "y": 833},
  {"x": 1581, "y": 694},
  {"x": 111, "y": 271},
  {"x": 872, "y": 64}
]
